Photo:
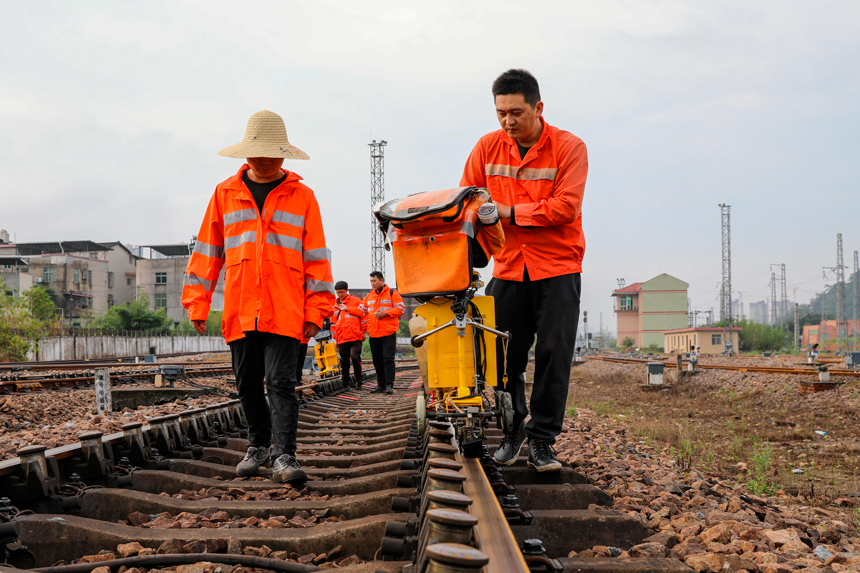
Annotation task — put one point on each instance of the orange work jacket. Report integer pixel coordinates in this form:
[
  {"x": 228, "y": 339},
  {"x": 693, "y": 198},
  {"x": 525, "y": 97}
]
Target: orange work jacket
[
  {"x": 545, "y": 189},
  {"x": 277, "y": 273},
  {"x": 392, "y": 303},
  {"x": 350, "y": 324}
]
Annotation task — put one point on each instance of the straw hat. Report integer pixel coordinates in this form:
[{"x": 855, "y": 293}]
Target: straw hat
[{"x": 265, "y": 136}]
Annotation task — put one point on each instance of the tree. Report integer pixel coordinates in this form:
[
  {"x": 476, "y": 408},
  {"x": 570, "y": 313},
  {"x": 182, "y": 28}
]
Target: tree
[
  {"x": 28, "y": 316},
  {"x": 213, "y": 321},
  {"x": 755, "y": 337},
  {"x": 40, "y": 304},
  {"x": 628, "y": 342},
  {"x": 134, "y": 316}
]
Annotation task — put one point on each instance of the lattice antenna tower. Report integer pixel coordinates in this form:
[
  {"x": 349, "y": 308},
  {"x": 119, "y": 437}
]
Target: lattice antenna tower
[
  {"x": 784, "y": 291},
  {"x": 841, "y": 317},
  {"x": 780, "y": 310},
  {"x": 726, "y": 307},
  {"x": 377, "y": 196},
  {"x": 621, "y": 283}
]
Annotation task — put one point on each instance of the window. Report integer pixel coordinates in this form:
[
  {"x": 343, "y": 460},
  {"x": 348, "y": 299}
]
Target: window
[
  {"x": 161, "y": 278},
  {"x": 90, "y": 275},
  {"x": 48, "y": 274},
  {"x": 131, "y": 259},
  {"x": 161, "y": 301},
  {"x": 811, "y": 332},
  {"x": 84, "y": 276},
  {"x": 128, "y": 281},
  {"x": 110, "y": 301},
  {"x": 626, "y": 303},
  {"x": 716, "y": 339},
  {"x": 77, "y": 276},
  {"x": 7, "y": 267},
  {"x": 94, "y": 256},
  {"x": 110, "y": 279}
]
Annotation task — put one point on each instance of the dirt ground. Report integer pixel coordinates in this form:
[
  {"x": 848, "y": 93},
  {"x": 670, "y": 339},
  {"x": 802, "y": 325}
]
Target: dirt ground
[{"x": 752, "y": 428}]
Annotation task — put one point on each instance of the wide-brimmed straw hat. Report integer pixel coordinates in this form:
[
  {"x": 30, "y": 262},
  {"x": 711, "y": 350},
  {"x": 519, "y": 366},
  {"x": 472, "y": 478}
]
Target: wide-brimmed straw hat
[{"x": 265, "y": 136}]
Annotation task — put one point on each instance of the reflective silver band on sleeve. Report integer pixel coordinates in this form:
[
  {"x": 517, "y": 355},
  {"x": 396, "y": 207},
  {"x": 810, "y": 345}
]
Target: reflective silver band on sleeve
[
  {"x": 321, "y": 254},
  {"x": 192, "y": 280},
  {"x": 207, "y": 250},
  {"x": 314, "y": 285}
]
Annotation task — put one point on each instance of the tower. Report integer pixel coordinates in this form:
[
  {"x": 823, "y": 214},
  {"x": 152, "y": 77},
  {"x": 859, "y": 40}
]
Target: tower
[
  {"x": 840, "y": 292},
  {"x": 856, "y": 282},
  {"x": 726, "y": 306},
  {"x": 377, "y": 196}
]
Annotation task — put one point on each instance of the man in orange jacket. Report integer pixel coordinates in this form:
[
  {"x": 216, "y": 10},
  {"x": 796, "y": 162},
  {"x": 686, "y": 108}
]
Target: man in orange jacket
[
  {"x": 348, "y": 331},
  {"x": 535, "y": 174},
  {"x": 264, "y": 227},
  {"x": 383, "y": 307}
]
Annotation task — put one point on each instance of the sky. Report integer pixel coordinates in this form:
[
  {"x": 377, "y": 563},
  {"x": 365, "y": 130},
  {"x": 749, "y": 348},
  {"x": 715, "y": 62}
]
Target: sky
[{"x": 112, "y": 114}]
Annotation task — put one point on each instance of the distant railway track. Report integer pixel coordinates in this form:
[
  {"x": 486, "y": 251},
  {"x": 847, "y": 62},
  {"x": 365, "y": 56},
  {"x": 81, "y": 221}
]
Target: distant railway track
[
  {"x": 95, "y": 363},
  {"x": 808, "y": 371}
]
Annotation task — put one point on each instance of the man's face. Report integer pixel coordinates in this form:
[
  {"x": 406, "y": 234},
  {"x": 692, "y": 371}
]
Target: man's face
[
  {"x": 518, "y": 118},
  {"x": 266, "y": 167},
  {"x": 341, "y": 293},
  {"x": 376, "y": 283}
]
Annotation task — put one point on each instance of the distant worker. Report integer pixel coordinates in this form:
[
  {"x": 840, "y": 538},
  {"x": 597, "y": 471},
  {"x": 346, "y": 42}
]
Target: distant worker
[
  {"x": 348, "y": 330},
  {"x": 383, "y": 307},
  {"x": 264, "y": 226},
  {"x": 535, "y": 174}
]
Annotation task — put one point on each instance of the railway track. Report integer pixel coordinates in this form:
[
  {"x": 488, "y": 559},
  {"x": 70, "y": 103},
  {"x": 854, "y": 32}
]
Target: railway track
[
  {"x": 95, "y": 363},
  {"x": 382, "y": 496},
  {"x": 808, "y": 371}
]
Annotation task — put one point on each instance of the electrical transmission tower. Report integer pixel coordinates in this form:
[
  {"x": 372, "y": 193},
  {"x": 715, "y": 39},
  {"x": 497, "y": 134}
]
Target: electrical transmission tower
[
  {"x": 377, "y": 196},
  {"x": 726, "y": 307},
  {"x": 780, "y": 311},
  {"x": 841, "y": 317}
]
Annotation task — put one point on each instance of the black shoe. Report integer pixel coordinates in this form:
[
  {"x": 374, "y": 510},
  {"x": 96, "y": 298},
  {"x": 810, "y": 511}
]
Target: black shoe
[
  {"x": 389, "y": 390},
  {"x": 509, "y": 449},
  {"x": 287, "y": 469},
  {"x": 378, "y": 390},
  {"x": 542, "y": 456}
]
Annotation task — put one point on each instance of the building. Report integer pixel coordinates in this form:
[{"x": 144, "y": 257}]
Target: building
[
  {"x": 122, "y": 273},
  {"x": 644, "y": 310},
  {"x": 824, "y": 333},
  {"x": 162, "y": 277},
  {"x": 707, "y": 339},
  {"x": 758, "y": 312},
  {"x": 80, "y": 284},
  {"x": 14, "y": 275}
]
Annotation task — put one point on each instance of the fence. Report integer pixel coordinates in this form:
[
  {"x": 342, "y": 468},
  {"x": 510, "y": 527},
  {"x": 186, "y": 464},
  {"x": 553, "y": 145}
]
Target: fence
[{"x": 84, "y": 345}]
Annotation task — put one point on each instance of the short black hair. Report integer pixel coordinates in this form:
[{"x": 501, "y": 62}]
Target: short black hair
[
  {"x": 341, "y": 285},
  {"x": 517, "y": 82},
  {"x": 377, "y": 275}
]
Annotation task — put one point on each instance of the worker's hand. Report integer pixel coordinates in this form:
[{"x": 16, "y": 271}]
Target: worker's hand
[
  {"x": 380, "y": 314},
  {"x": 311, "y": 330},
  {"x": 340, "y": 306},
  {"x": 199, "y": 325},
  {"x": 504, "y": 211}
]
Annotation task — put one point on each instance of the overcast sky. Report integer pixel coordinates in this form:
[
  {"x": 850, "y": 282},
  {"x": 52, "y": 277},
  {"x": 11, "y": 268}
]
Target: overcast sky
[{"x": 112, "y": 114}]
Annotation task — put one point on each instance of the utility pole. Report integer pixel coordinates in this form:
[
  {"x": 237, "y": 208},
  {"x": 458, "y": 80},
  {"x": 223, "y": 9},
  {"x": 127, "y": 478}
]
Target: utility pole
[
  {"x": 725, "y": 216},
  {"x": 784, "y": 291},
  {"x": 377, "y": 196},
  {"x": 600, "y": 340},
  {"x": 839, "y": 271}
]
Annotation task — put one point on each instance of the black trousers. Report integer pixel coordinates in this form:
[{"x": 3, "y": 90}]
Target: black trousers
[
  {"x": 382, "y": 349},
  {"x": 350, "y": 351},
  {"x": 263, "y": 357},
  {"x": 548, "y": 308},
  {"x": 300, "y": 361}
]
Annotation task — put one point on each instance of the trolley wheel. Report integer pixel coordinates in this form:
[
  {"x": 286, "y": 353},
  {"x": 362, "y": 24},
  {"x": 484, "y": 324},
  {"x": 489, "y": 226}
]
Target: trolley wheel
[
  {"x": 506, "y": 412},
  {"x": 421, "y": 413}
]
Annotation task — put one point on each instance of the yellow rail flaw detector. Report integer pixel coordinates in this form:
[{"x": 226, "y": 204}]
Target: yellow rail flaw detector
[
  {"x": 325, "y": 353},
  {"x": 438, "y": 238}
]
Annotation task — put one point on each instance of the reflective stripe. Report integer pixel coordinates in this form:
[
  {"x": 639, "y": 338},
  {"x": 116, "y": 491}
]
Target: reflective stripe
[
  {"x": 285, "y": 241},
  {"x": 314, "y": 285},
  {"x": 386, "y": 300},
  {"x": 469, "y": 229},
  {"x": 532, "y": 174},
  {"x": 246, "y": 237},
  {"x": 239, "y": 216},
  {"x": 207, "y": 250},
  {"x": 524, "y": 174},
  {"x": 191, "y": 280},
  {"x": 288, "y": 218},
  {"x": 321, "y": 254},
  {"x": 491, "y": 169}
]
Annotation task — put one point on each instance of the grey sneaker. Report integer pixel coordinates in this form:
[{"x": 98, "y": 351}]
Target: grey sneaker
[
  {"x": 254, "y": 458},
  {"x": 542, "y": 456},
  {"x": 287, "y": 469}
]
